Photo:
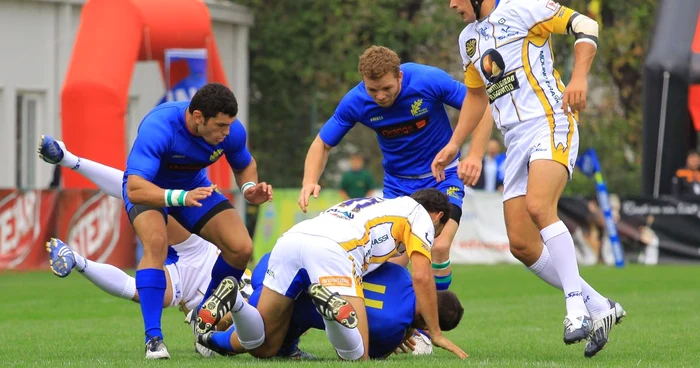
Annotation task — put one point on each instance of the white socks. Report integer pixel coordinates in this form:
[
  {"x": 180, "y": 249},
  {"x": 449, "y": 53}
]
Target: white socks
[
  {"x": 108, "y": 179},
  {"x": 347, "y": 341},
  {"x": 249, "y": 324},
  {"x": 563, "y": 255},
  {"x": 107, "y": 277},
  {"x": 595, "y": 302}
]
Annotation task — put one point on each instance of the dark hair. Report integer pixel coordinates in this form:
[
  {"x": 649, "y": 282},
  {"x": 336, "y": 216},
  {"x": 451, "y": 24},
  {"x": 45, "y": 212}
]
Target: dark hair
[
  {"x": 450, "y": 310},
  {"x": 214, "y": 99},
  {"x": 434, "y": 201}
]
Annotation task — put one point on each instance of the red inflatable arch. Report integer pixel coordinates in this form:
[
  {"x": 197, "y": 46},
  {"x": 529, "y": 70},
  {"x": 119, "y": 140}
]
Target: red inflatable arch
[{"x": 113, "y": 36}]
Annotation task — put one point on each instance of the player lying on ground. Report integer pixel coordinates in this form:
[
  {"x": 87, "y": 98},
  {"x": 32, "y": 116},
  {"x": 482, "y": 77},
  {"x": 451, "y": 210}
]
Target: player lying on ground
[
  {"x": 405, "y": 105},
  {"x": 328, "y": 256},
  {"x": 507, "y": 56},
  {"x": 187, "y": 272},
  {"x": 392, "y": 311}
]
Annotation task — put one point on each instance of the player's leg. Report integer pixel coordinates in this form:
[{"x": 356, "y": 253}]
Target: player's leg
[
  {"x": 453, "y": 187},
  {"x": 219, "y": 223},
  {"x": 151, "y": 281},
  {"x": 108, "y": 179},
  {"x": 550, "y": 169}
]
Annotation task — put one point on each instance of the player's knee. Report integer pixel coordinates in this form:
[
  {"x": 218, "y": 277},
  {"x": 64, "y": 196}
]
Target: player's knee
[
  {"x": 155, "y": 245},
  {"x": 541, "y": 212},
  {"x": 522, "y": 249},
  {"x": 264, "y": 351}
]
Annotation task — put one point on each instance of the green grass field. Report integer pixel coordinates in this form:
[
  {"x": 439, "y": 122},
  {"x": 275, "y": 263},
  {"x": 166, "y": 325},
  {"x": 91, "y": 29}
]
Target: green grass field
[{"x": 512, "y": 319}]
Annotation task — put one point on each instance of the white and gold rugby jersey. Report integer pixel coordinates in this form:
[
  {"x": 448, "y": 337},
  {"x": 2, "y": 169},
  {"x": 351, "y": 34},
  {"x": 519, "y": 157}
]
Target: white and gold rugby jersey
[
  {"x": 372, "y": 230},
  {"x": 510, "y": 53}
]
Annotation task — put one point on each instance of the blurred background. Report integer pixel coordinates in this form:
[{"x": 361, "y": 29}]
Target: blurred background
[{"x": 87, "y": 71}]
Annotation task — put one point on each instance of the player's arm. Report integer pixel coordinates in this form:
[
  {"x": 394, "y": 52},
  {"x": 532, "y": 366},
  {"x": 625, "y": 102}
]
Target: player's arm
[
  {"x": 244, "y": 166},
  {"x": 426, "y": 294},
  {"x": 330, "y": 135},
  {"x": 585, "y": 31},
  {"x": 144, "y": 161}
]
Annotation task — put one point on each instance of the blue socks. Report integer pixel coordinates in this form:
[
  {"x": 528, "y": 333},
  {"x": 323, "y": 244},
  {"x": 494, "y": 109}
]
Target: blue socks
[
  {"x": 151, "y": 284},
  {"x": 220, "y": 271},
  {"x": 443, "y": 282},
  {"x": 222, "y": 340}
]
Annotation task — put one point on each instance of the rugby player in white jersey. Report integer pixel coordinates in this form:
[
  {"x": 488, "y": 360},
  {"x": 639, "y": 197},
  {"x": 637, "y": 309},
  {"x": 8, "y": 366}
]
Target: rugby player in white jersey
[
  {"x": 507, "y": 57},
  {"x": 327, "y": 257}
]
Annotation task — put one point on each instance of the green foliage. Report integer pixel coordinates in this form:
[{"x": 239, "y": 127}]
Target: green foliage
[{"x": 304, "y": 57}]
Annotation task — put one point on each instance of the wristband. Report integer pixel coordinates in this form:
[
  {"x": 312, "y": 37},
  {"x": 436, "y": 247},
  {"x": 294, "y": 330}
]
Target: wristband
[
  {"x": 247, "y": 185},
  {"x": 174, "y": 197}
]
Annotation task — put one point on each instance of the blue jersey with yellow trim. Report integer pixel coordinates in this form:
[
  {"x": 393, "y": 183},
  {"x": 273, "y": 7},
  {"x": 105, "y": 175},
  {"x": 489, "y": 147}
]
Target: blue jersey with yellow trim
[
  {"x": 389, "y": 299},
  {"x": 168, "y": 155},
  {"x": 411, "y": 131}
]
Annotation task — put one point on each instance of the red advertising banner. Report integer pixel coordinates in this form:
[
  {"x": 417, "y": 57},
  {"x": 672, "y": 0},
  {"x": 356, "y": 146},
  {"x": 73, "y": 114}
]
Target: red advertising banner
[
  {"x": 91, "y": 222},
  {"x": 26, "y": 223},
  {"x": 96, "y": 226}
]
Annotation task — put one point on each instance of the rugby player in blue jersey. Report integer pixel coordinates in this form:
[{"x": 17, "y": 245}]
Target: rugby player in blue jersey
[
  {"x": 392, "y": 313},
  {"x": 404, "y": 105},
  {"x": 165, "y": 175}
]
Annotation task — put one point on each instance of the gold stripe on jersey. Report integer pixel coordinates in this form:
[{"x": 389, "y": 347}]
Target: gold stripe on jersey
[
  {"x": 375, "y": 288},
  {"x": 472, "y": 79},
  {"x": 555, "y": 24}
]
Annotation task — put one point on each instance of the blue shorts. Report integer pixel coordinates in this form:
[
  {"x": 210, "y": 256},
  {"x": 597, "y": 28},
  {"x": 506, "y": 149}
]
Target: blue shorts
[
  {"x": 452, "y": 186},
  {"x": 191, "y": 218}
]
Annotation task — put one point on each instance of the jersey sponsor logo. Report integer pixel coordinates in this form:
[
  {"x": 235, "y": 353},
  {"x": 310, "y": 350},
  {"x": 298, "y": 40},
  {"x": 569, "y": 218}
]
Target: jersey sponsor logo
[
  {"x": 270, "y": 273},
  {"x": 344, "y": 281},
  {"x": 453, "y": 192},
  {"x": 492, "y": 65},
  {"x": 178, "y": 156},
  {"x": 416, "y": 109},
  {"x": 507, "y": 84},
  {"x": 20, "y": 226},
  {"x": 402, "y": 129},
  {"x": 552, "y": 5},
  {"x": 94, "y": 228},
  {"x": 508, "y": 32},
  {"x": 215, "y": 155},
  {"x": 376, "y": 118},
  {"x": 470, "y": 47},
  {"x": 380, "y": 239},
  {"x": 186, "y": 167},
  {"x": 549, "y": 82}
]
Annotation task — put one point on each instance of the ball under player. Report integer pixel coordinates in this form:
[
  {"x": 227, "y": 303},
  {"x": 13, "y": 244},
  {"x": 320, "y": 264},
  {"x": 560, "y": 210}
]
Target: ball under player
[
  {"x": 508, "y": 62},
  {"x": 328, "y": 256},
  {"x": 404, "y": 105},
  {"x": 392, "y": 311},
  {"x": 165, "y": 175}
]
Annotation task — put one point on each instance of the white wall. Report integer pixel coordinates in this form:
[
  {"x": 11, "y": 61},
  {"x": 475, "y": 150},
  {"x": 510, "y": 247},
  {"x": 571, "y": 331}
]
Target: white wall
[{"x": 37, "y": 38}]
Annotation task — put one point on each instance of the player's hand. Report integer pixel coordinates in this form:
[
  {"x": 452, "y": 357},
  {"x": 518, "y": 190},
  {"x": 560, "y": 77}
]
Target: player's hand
[
  {"x": 575, "y": 96},
  {"x": 408, "y": 344},
  {"x": 195, "y": 195},
  {"x": 442, "y": 159},
  {"x": 469, "y": 170},
  {"x": 443, "y": 342},
  {"x": 260, "y": 193},
  {"x": 307, "y": 190}
]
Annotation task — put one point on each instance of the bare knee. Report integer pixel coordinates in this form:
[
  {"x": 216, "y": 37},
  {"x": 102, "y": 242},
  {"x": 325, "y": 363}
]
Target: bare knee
[
  {"x": 155, "y": 245},
  {"x": 264, "y": 351},
  {"x": 542, "y": 213}
]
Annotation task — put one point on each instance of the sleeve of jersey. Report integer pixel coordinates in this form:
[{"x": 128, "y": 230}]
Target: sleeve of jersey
[
  {"x": 151, "y": 143},
  {"x": 340, "y": 123},
  {"x": 546, "y": 19},
  {"x": 236, "y": 150},
  {"x": 472, "y": 78},
  {"x": 419, "y": 233},
  {"x": 444, "y": 87}
]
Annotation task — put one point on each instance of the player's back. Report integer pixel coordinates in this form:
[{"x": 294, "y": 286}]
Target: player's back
[
  {"x": 511, "y": 52},
  {"x": 167, "y": 154},
  {"x": 373, "y": 230}
]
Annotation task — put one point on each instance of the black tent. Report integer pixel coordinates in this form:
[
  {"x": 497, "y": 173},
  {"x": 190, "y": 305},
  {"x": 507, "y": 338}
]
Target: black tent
[{"x": 668, "y": 74}]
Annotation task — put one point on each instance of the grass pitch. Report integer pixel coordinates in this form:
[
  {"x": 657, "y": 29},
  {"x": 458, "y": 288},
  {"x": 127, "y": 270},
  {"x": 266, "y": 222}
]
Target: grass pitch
[{"x": 512, "y": 319}]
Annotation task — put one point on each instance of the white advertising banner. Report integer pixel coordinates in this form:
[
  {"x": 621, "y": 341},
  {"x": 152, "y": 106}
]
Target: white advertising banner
[{"x": 481, "y": 237}]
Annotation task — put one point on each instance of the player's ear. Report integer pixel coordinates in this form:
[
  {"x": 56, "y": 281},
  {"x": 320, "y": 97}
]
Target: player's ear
[{"x": 198, "y": 116}]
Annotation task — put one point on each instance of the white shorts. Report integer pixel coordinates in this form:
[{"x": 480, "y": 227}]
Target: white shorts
[
  {"x": 191, "y": 273},
  {"x": 298, "y": 260},
  {"x": 535, "y": 140}
]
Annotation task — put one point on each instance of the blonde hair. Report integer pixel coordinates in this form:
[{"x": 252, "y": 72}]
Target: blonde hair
[{"x": 378, "y": 61}]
